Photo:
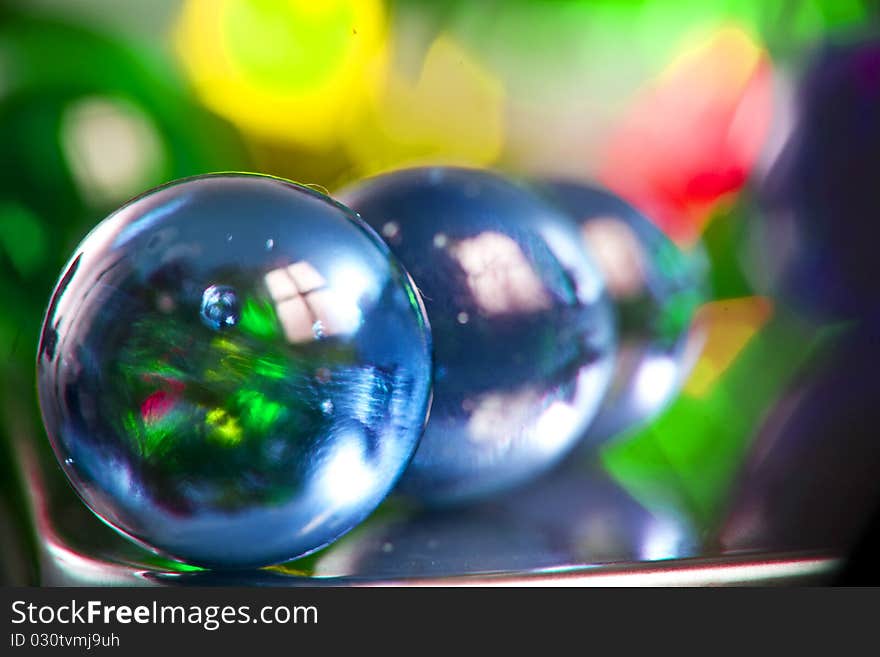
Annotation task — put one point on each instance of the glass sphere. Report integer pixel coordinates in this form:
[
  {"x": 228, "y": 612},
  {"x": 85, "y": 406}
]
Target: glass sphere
[
  {"x": 812, "y": 238},
  {"x": 233, "y": 370},
  {"x": 655, "y": 287},
  {"x": 523, "y": 331}
]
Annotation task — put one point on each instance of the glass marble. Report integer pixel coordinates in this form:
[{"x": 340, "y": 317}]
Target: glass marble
[
  {"x": 655, "y": 287},
  {"x": 813, "y": 236},
  {"x": 523, "y": 330},
  {"x": 233, "y": 370}
]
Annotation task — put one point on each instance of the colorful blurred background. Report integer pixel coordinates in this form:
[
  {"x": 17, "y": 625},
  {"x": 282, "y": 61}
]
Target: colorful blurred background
[{"x": 750, "y": 128}]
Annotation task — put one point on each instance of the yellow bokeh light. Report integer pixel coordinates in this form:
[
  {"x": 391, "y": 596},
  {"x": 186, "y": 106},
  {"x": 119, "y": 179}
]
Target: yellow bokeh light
[
  {"x": 729, "y": 326},
  {"x": 718, "y": 62},
  {"x": 295, "y": 71},
  {"x": 222, "y": 427},
  {"x": 453, "y": 113}
]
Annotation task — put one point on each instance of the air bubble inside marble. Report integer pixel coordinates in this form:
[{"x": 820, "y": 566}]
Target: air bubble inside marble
[
  {"x": 233, "y": 402},
  {"x": 220, "y": 307}
]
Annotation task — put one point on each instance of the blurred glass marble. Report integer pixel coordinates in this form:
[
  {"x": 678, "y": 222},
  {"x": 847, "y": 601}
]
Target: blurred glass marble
[
  {"x": 523, "y": 332},
  {"x": 233, "y": 370},
  {"x": 812, "y": 479},
  {"x": 655, "y": 288},
  {"x": 814, "y": 237}
]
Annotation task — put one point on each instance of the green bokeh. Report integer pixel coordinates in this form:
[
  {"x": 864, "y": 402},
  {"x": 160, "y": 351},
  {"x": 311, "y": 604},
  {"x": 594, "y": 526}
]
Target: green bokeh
[{"x": 687, "y": 460}]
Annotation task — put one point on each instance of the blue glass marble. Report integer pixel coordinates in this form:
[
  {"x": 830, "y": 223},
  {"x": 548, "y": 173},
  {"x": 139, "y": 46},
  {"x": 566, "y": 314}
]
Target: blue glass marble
[
  {"x": 523, "y": 330},
  {"x": 655, "y": 287},
  {"x": 233, "y": 370}
]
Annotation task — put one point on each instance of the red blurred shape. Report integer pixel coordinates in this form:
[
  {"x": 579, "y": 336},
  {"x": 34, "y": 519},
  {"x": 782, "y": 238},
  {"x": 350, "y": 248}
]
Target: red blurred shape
[
  {"x": 692, "y": 136},
  {"x": 160, "y": 402}
]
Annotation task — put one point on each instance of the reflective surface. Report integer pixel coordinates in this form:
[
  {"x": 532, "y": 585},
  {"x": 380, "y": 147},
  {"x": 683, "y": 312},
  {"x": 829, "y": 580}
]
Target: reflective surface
[
  {"x": 655, "y": 289},
  {"x": 233, "y": 370},
  {"x": 573, "y": 527},
  {"x": 523, "y": 333},
  {"x": 572, "y": 516}
]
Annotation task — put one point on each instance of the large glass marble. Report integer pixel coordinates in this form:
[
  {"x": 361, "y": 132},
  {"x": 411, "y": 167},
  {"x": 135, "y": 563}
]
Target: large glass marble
[
  {"x": 233, "y": 370},
  {"x": 656, "y": 288},
  {"x": 523, "y": 331}
]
